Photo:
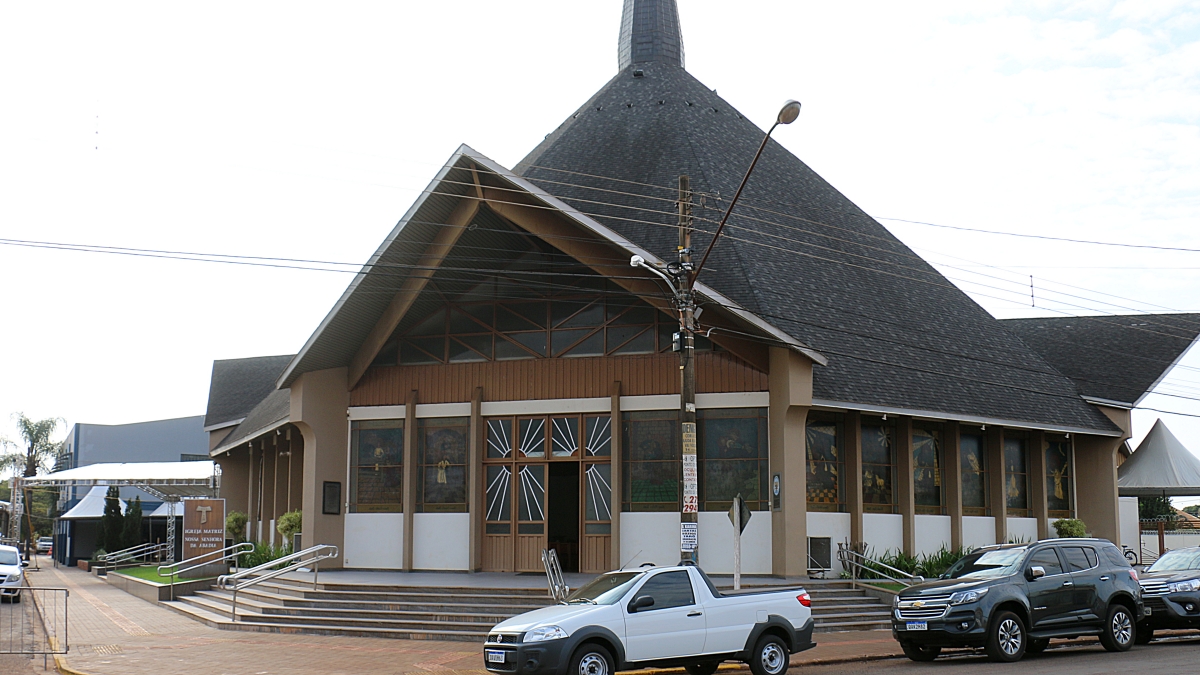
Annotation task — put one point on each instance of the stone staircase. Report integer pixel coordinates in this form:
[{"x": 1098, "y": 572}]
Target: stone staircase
[{"x": 442, "y": 613}]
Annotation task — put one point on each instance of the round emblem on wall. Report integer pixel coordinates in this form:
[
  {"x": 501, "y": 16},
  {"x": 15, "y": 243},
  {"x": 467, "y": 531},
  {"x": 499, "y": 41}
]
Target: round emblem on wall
[{"x": 775, "y": 486}]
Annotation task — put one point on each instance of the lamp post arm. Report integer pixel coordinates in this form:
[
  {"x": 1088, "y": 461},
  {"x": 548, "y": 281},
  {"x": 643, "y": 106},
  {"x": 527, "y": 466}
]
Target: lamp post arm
[
  {"x": 711, "y": 244},
  {"x": 670, "y": 284}
]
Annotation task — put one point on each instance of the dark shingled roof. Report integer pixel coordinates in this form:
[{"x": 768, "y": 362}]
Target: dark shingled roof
[
  {"x": 800, "y": 254},
  {"x": 1114, "y": 358},
  {"x": 237, "y": 385},
  {"x": 270, "y": 413},
  {"x": 650, "y": 32}
]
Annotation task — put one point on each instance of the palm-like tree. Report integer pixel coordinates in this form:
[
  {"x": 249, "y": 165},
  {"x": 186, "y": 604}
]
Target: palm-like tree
[{"x": 37, "y": 451}]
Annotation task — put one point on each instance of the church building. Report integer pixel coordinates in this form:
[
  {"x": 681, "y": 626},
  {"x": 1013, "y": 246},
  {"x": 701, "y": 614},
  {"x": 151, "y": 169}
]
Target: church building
[{"x": 498, "y": 380}]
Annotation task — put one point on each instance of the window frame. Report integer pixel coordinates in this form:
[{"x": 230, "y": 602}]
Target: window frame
[
  {"x": 354, "y": 505},
  {"x": 1010, "y": 510},
  {"x": 984, "y": 474},
  {"x": 424, "y": 425},
  {"x": 889, "y": 432},
  {"x": 1065, "y": 480},
  {"x": 761, "y": 460},
  {"x": 838, "y": 421},
  {"x": 673, "y": 458},
  {"x": 937, "y": 433}
]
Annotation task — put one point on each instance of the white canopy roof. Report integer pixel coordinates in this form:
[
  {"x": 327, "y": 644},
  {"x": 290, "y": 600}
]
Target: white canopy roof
[
  {"x": 168, "y": 480},
  {"x": 1160, "y": 467},
  {"x": 91, "y": 506},
  {"x": 162, "y": 511}
]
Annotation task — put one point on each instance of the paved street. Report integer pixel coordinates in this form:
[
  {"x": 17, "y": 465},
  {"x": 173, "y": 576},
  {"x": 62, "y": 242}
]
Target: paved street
[{"x": 1173, "y": 657}]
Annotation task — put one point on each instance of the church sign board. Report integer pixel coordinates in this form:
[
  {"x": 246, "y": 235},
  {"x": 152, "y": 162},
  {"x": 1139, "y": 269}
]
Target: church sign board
[{"x": 203, "y": 526}]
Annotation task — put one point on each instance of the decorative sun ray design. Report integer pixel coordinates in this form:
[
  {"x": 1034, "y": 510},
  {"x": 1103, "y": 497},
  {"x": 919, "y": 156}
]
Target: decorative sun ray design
[
  {"x": 498, "y": 493},
  {"x": 498, "y": 438},
  {"x": 562, "y": 439},
  {"x": 599, "y": 434},
  {"x": 599, "y": 494},
  {"x": 533, "y": 437},
  {"x": 531, "y": 492}
]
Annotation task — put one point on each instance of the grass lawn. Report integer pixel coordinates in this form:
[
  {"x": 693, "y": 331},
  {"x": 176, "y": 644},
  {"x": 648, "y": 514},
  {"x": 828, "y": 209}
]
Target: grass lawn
[
  {"x": 889, "y": 585},
  {"x": 148, "y": 573}
]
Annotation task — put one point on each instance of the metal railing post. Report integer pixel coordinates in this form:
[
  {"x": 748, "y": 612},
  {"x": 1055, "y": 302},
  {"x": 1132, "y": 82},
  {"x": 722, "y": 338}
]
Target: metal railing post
[
  {"x": 316, "y": 570},
  {"x": 233, "y": 609}
]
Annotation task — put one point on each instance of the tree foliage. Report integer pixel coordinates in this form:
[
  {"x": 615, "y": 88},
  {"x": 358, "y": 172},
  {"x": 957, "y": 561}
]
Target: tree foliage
[
  {"x": 112, "y": 523},
  {"x": 1155, "y": 508},
  {"x": 37, "y": 450},
  {"x": 235, "y": 526},
  {"x": 289, "y": 524},
  {"x": 1070, "y": 527},
  {"x": 133, "y": 524}
]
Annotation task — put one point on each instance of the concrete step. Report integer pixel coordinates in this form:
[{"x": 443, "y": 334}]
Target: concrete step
[
  {"x": 450, "y": 596},
  {"x": 316, "y": 605},
  {"x": 836, "y": 626},
  {"x": 401, "y": 588},
  {"x": 270, "y": 609}
]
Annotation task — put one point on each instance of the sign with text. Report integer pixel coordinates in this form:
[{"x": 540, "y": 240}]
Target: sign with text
[
  {"x": 690, "y": 501},
  {"x": 689, "y": 536},
  {"x": 203, "y": 526}
]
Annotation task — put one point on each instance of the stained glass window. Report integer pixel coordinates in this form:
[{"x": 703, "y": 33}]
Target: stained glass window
[
  {"x": 974, "y": 472},
  {"x": 927, "y": 470},
  {"x": 733, "y": 458},
  {"x": 376, "y": 466},
  {"x": 1016, "y": 477},
  {"x": 652, "y": 466},
  {"x": 442, "y": 477},
  {"x": 1058, "y": 477},
  {"x": 824, "y": 481},
  {"x": 878, "y": 467}
]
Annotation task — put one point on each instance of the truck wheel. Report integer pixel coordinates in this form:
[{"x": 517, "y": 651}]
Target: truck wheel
[
  {"x": 770, "y": 656},
  {"x": 1143, "y": 635},
  {"x": 1037, "y": 646},
  {"x": 1006, "y": 638},
  {"x": 917, "y": 653},
  {"x": 1119, "y": 629},
  {"x": 591, "y": 659},
  {"x": 706, "y": 668}
]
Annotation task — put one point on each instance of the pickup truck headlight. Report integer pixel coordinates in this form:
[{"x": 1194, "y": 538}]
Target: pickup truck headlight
[
  {"x": 543, "y": 633},
  {"x": 13, "y": 578},
  {"x": 963, "y": 597},
  {"x": 1184, "y": 586}
]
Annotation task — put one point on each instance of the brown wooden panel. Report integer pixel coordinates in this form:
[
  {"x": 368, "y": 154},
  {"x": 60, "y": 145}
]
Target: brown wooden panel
[
  {"x": 716, "y": 372},
  {"x": 597, "y": 550},
  {"x": 529, "y": 552},
  {"x": 498, "y": 553}
]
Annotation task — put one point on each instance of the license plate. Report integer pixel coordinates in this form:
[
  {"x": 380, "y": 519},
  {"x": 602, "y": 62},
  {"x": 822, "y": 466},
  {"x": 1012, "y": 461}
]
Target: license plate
[
  {"x": 916, "y": 625},
  {"x": 494, "y": 655}
]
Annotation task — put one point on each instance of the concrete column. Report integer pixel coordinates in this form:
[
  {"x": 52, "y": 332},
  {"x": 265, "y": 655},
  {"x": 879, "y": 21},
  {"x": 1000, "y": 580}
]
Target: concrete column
[
  {"x": 235, "y": 467},
  {"x": 852, "y": 454},
  {"x": 319, "y": 410},
  {"x": 1036, "y": 462},
  {"x": 952, "y": 481},
  {"x": 270, "y": 465},
  {"x": 475, "y": 451},
  {"x": 618, "y": 495},
  {"x": 410, "y": 475},
  {"x": 993, "y": 440},
  {"x": 905, "y": 485},
  {"x": 790, "y": 381},
  {"x": 296, "y": 466},
  {"x": 1096, "y": 468},
  {"x": 251, "y": 520}
]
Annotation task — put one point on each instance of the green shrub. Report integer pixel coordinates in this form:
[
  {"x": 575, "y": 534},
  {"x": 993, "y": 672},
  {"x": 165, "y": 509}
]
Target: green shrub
[
  {"x": 933, "y": 565},
  {"x": 262, "y": 554},
  {"x": 289, "y": 524},
  {"x": 98, "y": 554},
  {"x": 235, "y": 526},
  {"x": 1070, "y": 527}
]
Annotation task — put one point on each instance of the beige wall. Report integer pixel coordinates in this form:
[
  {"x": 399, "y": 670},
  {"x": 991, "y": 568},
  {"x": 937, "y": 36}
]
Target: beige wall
[
  {"x": 234, "y": 467},
  {"x": 319, "y": 403},
  {"x": 1096, "y": 478},
  {"x": 791, "y": 399}
]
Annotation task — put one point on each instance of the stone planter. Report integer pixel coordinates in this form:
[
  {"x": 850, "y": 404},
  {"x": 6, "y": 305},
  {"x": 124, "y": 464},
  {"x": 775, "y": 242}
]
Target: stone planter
[{"x": 148, "y": 590}]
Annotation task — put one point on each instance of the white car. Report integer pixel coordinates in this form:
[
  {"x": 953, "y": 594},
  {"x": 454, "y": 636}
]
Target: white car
[
  {"x": 654, "y": 617},
  {"x": 11, "y": 574}
]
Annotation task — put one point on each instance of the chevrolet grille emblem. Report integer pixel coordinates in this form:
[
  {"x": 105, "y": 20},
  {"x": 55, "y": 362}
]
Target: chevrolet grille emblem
[{"x": 918, "y": 604}]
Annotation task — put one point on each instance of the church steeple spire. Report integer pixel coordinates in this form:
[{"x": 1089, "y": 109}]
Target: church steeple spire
[{"x": 650, "y": 32}]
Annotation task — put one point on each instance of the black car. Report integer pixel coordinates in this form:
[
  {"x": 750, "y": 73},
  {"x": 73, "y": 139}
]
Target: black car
[
  {"x": 1171, "y": 591},
  {"x": 1012, "y": 599}
]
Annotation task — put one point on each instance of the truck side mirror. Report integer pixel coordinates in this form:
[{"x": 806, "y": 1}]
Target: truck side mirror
[
  {"x": 640, "y": 602},
  {"x": 1035, "y": 572}
]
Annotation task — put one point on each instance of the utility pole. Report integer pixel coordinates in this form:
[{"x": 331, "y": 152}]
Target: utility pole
[{"x": 686, "y": 339}]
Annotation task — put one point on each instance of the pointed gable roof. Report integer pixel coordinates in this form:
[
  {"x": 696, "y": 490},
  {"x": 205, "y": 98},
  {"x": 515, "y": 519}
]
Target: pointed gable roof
[
  {"x": 898, "y": 335},
  {"x": 1160, "y": 467}
]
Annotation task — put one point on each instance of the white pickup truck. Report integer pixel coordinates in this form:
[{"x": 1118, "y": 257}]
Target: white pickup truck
[{"x": 660, "y": 617}]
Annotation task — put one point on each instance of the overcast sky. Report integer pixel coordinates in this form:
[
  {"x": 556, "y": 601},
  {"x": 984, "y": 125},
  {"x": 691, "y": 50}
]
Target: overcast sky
[{"x": 300, "y": 130}]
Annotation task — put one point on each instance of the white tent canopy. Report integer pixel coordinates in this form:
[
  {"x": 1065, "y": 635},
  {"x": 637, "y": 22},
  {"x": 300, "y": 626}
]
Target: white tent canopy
[
  {"x": 1160, "y": 467},
  {"x": 170, "y": 481},
  {"x": 91, "y": 506}
]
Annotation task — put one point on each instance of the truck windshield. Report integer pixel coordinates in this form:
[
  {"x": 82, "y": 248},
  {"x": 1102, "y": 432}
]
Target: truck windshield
[
  {"x": 987, "y": 564},
  {"x": 1177, "y": 561},
  {"x": 8, "y": 557},
  {"x": 605, "y": 589}
]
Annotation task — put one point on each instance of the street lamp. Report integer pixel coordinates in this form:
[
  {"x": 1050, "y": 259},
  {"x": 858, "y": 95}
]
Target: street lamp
[{"x": 680, "y": 278}]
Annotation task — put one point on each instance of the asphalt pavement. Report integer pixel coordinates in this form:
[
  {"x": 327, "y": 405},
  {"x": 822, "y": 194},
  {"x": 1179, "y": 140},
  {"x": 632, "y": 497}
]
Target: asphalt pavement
[{"x": 1170, "y": 657}]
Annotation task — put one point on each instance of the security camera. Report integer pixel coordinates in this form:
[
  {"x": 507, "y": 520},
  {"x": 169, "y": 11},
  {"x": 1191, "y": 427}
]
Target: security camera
[{"x": 637, "y": 261}]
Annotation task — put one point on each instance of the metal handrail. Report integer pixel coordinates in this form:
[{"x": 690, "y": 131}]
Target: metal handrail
[
  {"x": 857, "y": 563},
  {"x": 129, "y": 555},
  {"x": 256, "y": 575},
  {"x": 559, "y": 590},
  {"x": 205, "y": 559}
]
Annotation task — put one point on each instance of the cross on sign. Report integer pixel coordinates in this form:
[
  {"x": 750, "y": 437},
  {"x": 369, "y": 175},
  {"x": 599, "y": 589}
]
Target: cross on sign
[{"x": 204, "y": 511}]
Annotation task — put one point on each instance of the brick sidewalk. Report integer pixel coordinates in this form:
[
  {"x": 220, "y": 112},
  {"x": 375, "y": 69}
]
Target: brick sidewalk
[{"x": 114, "y": 633}]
